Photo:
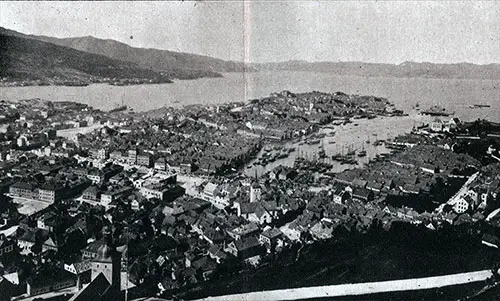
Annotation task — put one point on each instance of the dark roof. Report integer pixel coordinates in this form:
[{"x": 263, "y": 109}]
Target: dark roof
[
  {"x": 246, "y": 243},
  {"x": 48, "y": 277},
  {"x": 22, "y": 185},
  {"x": 272, "y": 233},
  {"x": 204, "y": 264},
  {"x": 93, "y": 291},
  {"x": 361, "y": 193}
]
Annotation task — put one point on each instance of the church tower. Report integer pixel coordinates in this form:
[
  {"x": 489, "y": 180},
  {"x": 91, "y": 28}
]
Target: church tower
[{"x": 107, "y": 261}]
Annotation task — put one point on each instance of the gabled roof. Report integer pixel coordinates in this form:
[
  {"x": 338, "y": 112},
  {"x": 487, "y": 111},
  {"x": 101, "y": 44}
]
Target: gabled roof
[
  {"x": 246, "y": 243},
  {"x": 93, "y": 291}
]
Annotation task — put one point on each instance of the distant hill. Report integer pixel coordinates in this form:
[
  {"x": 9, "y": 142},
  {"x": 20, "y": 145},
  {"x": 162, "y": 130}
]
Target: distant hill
[
  {"x": 406, "y": 69},
  {"x": 173, "y": 64},
  {"x": 26, "y": 60}
]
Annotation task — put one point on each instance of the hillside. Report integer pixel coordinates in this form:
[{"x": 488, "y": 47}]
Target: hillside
[
  {"x": 27, "y": 60},
  {"x": 406, "y": 69},
  {"x": 173, "y": 64}
]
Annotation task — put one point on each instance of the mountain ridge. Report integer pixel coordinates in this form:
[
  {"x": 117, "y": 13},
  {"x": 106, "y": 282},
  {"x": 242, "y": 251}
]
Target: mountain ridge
[
  {"x": 405, "y": 69},
  {"x": 32, "y": 62},
  {"x": 179, "y": 65}
]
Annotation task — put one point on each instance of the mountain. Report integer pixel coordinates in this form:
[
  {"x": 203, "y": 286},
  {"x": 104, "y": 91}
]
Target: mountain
[
  {"x": 173, "y": 64},
  {"x": 406, "y": 69},
  {"x": 36, "y": 62}
]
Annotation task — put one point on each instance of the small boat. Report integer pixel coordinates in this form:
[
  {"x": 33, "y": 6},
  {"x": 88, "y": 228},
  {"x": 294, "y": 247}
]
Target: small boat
[
  {"x": 479, "y": 106},
  {"x": 331, "y": 142}
]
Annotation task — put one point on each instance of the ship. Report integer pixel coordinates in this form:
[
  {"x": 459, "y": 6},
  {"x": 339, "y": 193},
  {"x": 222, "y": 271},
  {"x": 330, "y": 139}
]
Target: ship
[
  {"x": 479, "y": 106},
  {"x": 118, "y": 109},
  {"x": 362, "y": 153},
  {"x": 437, "y": 111}
]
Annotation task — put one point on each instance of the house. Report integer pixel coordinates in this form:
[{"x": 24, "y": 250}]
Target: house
[
  {"x": 160, "y": 164},
  {"x": 243, "y": 231},
  {"x": 210, "y": 189},
  {"x": 204, "y": 266},
  {"x": 321, "y": 230},
  {"x": 91, "y": 193},
  {"x": 47, "y": 221},
  {"x": 144, "y": 160},
  {"x": 23, "y": 190},
  {"x": 254, "y": 212},
  {"x": 162, "y": 191},
  {"x": 111, "y": 195},
  {"x": 341, "y": 193},
  {"x": 7, "y": 245},
  {"x": 93, "y": 249},
  {"x": 49, "y": 281},
  {"x": 49, "y": 244},
  {"x": 78, "y": 268},
  {"x": 270, "y": 238},
  {"x": 437, "y": 125},
  {"x": 217, "y": 254},
  {"x": 362, "y": 194},
  {"x": 244, "y": 248}
]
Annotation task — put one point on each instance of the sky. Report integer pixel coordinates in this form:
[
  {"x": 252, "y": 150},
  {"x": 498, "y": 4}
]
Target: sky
[{"x": 271, "y": 31}]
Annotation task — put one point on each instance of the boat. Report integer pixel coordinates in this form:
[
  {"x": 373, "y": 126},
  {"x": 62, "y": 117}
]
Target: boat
[
  {"x": 362, "y": 153},
  {"x": 118, "y": 109},
  {"x": 322, "y": 153},
  {"x": 437, "y": 111},
  {"x": 479, "y": 106},
  {"x": 351, "y": 152}
]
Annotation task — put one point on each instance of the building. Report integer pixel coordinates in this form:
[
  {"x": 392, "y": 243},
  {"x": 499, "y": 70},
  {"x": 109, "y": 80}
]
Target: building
[
  {"x": 162, "y": 191},
  {"x": 437, "y": 125},
  {"x": 341, "y": 193},
  {"x": 255, "y": 192},
  {"x": 111, "y": 195},
  {"x": 245, "y": 248},
  {"x": 49, "y": 281},
  {"x": 91, "y": 193},
  {"x": 50, "y": 193},
  {"x": 144, "y": 160},
  {"x": 102, "y": 154},
  {"x": 160, "y": 164},
  {"x": 270, "y": 238},
  {"x": 23, "y": 190},
  {"x": 7, "y": 245},
  {"x": 132, "y": 156}
]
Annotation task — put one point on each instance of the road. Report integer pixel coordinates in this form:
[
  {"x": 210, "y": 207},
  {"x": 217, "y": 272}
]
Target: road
[{"x": 353, "y": 289}]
